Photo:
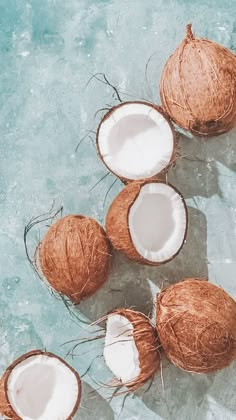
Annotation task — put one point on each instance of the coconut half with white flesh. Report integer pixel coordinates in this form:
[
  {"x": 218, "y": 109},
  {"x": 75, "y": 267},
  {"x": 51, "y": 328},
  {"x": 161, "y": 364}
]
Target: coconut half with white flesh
[
  {"x": 136, "y": 140},
  {"x": 147, "y": 221},
  {"x": 39, "y": 385},
  {"x": 131, "y": 348}
]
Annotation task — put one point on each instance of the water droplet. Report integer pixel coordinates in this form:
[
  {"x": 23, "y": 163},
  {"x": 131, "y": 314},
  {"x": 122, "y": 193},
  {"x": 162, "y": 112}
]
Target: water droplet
[
  {"x": 109, "y": 32},
  {"x": 79, "y": 41},
  {"x": 25, "y": 53}
]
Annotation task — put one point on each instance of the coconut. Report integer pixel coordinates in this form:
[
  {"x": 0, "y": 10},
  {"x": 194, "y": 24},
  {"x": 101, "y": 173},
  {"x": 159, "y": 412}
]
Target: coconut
[
  {"x": 39, "y": 385},
  {"x": 198, "y": 86},
  {"x": 131, "y": 348},
  {"x": 74, "y": 256},
  {"x": 147, "y": 221},
  {"x": 136, "y": 140},
  {"x": 196, "y": 323}
]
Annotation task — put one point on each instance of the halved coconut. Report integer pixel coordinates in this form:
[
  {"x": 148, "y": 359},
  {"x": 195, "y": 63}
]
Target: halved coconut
[
  {"x": 136, "y": 140},
  {"x": 147, "y": 221},
  {"x": 39, "y": 385},
  {"x": 131, "y": 347}
]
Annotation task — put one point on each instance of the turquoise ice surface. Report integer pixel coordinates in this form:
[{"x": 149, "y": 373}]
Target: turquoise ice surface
[{"x": 49, "y": 49}]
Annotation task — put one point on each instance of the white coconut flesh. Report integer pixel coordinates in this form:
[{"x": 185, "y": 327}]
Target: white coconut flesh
[
  {"x": 157, "y": 222},
  {"x": 42, "y": 387},
  {"x": 120, "y": 352},
  {"x": 136, "y": 141}
]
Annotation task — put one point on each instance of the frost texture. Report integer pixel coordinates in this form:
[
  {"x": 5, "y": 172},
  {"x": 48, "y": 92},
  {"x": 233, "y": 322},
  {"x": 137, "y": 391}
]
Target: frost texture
[{"x": 49, "y": 49}]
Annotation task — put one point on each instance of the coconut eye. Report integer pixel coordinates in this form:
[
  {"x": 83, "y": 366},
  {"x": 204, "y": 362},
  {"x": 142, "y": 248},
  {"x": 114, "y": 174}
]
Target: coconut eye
[{"x": 211, "y": 123}]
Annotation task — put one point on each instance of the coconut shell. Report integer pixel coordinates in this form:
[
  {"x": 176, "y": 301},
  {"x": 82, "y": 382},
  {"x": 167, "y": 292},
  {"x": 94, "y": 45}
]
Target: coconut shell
[
  {"x": 158, "y": 109},
  {"x": 74, "y": 256},
  {"x": 117, "y": 227},
  {"x": 147, "y": 344},
  {"x": 196, "y": 324},
  {"x": 198, "y": 86},
  {"x": 5, "y": 406}
]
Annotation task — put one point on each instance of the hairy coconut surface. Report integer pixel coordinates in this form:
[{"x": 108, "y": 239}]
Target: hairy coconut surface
[
  {"x": 74, "y": 256},
  {"x": 136, "y": 140},
  {"x": 131, "y": 347},
  {"x": 196, "y": 324},
  {"x": 198, "y": 86},
  {"x": 39, "y": 385},
  {"x": 147, "y": 221}
]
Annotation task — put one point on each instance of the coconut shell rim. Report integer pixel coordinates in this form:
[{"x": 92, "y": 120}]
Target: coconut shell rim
[
  {"x": 161, "y": 111},
  {"x": 143, "y": 260},
  {"x": 117, "y": 312},
  {"x": 26, "y": 356}
]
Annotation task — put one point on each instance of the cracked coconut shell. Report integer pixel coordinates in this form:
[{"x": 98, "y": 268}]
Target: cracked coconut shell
[
  {"x": 196, "y": 324},
  {"x": 74, "y": 256},
  {"x": 147, "y": 344},
  {"x": 198, "y": 86}
]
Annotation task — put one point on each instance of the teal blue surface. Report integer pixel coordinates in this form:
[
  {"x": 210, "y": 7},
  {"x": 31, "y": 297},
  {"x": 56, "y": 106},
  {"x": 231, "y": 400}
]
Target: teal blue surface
[{"x": 48, "y": 51}]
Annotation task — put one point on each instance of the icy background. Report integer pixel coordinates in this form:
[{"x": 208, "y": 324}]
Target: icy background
[{"x": 48, "y": 51}]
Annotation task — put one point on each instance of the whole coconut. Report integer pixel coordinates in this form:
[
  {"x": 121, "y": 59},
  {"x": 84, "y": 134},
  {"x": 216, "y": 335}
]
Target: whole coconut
[
  {"x": 198, "y": 86},
  {"x": 74, "y": 256},
  {"x": 196, "y": 323}
]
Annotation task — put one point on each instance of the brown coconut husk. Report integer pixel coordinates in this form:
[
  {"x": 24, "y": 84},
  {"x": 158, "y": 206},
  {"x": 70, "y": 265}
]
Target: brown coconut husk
[
  {"x": 5, "y": 406},
  {"x": 74, "y": 256},
  {"x": 198, "y": 86},
  {"x": 117, "y": 222},
  {"x": 196, "y": 324},
  {"x": 161, "y": 111},
  {"x": 147, "y": 344}
]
